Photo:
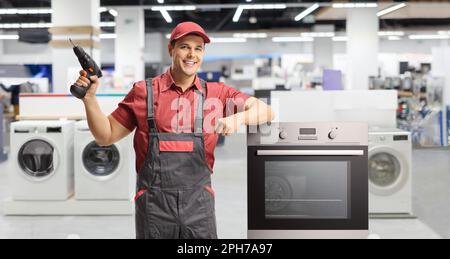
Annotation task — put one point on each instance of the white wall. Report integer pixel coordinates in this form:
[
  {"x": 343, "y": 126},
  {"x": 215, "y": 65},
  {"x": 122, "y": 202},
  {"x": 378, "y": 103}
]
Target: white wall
[
  {"x": 68, "y": 13},
  {"x": 441, "y": 62},
  {"x": 153, "y": 52},
  {"x": 155, "y": 46},
  {"x": 107, "y": 51},
  {"x": 362, "y": 47},
  {"x": 130, "y": 44},
  {"x": 16, "y": 52}
]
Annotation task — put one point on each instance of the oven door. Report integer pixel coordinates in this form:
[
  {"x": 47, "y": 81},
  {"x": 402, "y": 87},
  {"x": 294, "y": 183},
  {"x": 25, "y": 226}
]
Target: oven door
[{"x": 307, "y": 188}]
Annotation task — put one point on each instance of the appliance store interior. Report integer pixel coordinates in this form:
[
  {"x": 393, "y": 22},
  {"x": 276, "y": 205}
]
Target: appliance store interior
[{"x": 358, "y": 147}]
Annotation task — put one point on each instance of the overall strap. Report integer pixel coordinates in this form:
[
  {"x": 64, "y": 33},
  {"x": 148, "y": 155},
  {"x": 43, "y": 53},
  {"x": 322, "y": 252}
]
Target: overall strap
[
  {"x": 150, "y": 111},
  {"x": 198, "y": 125}
]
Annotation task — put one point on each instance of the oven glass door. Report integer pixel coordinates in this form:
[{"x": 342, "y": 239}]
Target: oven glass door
[{"x": 307, "y": 188}]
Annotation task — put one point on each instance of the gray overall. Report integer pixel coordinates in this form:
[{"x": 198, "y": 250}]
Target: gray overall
[{"x": 174, "y": 196}]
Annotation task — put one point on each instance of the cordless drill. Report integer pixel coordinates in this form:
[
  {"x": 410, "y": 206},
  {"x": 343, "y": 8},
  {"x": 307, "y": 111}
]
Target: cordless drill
[{"x": 88, "y": 65}]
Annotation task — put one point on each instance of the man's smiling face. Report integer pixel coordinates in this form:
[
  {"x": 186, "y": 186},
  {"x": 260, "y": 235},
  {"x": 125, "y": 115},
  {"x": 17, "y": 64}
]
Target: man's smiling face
[{"x": 187, "y": 54}]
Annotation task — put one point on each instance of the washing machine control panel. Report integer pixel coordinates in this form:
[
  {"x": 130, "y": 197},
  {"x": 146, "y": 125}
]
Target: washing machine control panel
[{"x": 389, "y": 137}]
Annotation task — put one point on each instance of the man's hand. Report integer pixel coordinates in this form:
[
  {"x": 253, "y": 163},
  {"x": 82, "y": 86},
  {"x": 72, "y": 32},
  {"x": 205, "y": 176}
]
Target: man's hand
[
  {"x": 256, "y": 113},
  {"x": 229, "y": 125},
  {"x": 84, "y": 82}
]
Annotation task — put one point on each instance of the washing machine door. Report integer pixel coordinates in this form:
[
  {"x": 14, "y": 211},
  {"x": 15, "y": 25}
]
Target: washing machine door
[
  {"x": 100, "y": 161},
  {"x": 387, "y": 171},
  {"x": 37, "y": 159}
]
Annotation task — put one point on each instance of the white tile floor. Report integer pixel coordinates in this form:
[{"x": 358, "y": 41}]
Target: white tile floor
[
  {"x": 230, "y": 184},
  {"x": 401, "y": 229}
]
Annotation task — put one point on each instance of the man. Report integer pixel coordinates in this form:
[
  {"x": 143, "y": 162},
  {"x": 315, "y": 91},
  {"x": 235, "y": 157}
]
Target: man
[{"x": 177, "y": 118}]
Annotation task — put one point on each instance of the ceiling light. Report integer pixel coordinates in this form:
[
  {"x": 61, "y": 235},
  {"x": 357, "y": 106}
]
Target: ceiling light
[
  {"x": 9, "y": 37},
  {"x": 264, "y": 6},
  {"x": 250, "y": 35},
  {"x": 394, "y": 38},
  {"x": 35, "y": 25},
  {"x": 390, "y": 9},
  {"x": 429, "y": 37},
  {"x": 161, "y": 1},
  {"x": 318, "y": 34},
  {"x": 253, "y": 20},
  {"x": 26, "y": 11},
  {"x": 355, "y": 5},
  {"x": 107, "y": 24},
  {"x": 166, "y": 16},
  {"x": 42, "y": 25},
  {"x": 238, "y": 14},
  {"x": 34, "y": 11},
  {"x": 174, "y": 8},
  {"x": 108, "y": 36},
  {"x": 340, "y": 38},
  {"x": 444, "y": 32},
  {"x": 10, "y": 26},
  {"x": 228, "y": 40},
  {"x": 391, "y": 33},
  {"x": 243, "y": 7},
  {"x": 113, "y": 12},
  {"x": 24, "y": 25},
  {"x": 306, "y": 12},
  {"x": 8, "y": 11},
  {"x": 292, "y": 39}
]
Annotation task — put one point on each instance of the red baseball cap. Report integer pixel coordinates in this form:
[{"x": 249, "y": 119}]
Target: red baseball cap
[{"x": 186, "y": 28}]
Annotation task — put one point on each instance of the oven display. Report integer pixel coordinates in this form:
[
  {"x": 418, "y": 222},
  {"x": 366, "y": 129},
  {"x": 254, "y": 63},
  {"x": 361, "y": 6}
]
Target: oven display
[{"x": 305, "y": 131}]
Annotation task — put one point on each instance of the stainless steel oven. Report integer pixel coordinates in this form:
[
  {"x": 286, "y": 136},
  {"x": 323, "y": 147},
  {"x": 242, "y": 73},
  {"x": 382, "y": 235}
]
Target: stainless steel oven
[{"x": 308, "y": 180}]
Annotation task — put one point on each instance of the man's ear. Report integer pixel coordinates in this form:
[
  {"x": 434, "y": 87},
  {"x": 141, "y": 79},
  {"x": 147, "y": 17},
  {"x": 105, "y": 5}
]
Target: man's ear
[{"x": 170, "y": 48}]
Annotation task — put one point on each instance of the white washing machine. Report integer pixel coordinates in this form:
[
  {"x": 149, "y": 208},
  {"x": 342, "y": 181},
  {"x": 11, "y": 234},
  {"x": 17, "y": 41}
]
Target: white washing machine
[
  {"x": 103, "y": 173},
  {"x": 390, "y": 172},
  {"x": 42, "y": 160}
]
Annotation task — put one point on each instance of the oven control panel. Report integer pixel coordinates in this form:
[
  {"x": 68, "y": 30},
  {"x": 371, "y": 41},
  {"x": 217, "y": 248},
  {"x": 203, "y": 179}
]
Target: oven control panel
[
  {"x": 310, "y": 134},
  {"x": 333, "y": 134}
]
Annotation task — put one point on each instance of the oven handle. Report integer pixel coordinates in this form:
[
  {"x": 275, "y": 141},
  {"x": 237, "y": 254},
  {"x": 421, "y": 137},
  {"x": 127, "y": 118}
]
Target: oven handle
[{"x": 310, "y": 153}]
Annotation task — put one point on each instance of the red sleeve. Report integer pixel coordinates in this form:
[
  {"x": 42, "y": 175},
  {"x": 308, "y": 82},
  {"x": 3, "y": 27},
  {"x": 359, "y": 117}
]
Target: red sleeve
[
  {"x": 233, "y": 100},
  {"x": 125, "y": 114}
]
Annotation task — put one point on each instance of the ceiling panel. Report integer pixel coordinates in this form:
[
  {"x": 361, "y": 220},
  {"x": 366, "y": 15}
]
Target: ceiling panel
[{"x": 218, "y": 20}]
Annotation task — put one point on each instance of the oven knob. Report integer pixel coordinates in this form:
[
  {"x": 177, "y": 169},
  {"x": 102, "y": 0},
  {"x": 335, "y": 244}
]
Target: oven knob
[
  {"x": 332, "y": 135},
  {"x": 283, "y": 135}
]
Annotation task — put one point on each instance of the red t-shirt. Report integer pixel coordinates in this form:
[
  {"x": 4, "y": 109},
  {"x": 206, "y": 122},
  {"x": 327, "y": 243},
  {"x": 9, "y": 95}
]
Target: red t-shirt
[{"x": 172, "y": 110}]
